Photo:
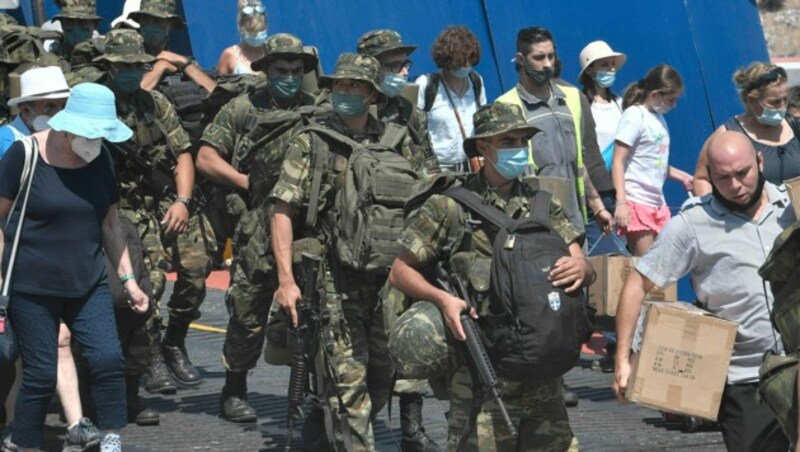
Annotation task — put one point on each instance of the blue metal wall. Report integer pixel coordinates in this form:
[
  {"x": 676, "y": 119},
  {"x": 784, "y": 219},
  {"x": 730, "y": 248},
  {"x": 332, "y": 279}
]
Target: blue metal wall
[{"x": 706, "y": 40}]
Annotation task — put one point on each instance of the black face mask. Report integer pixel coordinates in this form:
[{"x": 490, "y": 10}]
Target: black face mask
[
  {"x": 735, "y": 206},
  {"x": 539, "y": 77}
]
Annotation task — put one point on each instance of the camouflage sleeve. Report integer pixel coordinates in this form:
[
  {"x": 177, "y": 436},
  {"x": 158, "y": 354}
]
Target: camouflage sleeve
[
  {"x": 419, "y": 123},
  {"x": 176, "y": 135},
  {"x": 221, "y": 133},
  {"x": 292, "y": 183},
  {"x": 433, "y": 228},
  {"x": 562, "y": 225}
]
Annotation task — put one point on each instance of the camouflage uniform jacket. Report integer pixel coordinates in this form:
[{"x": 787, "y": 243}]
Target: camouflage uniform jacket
[
  {"x": 157, "y": 136},
  {"x": 227, "y": 134},
  {"x": 294, "y": 183},
  {"x": 400, "y": 111},
  {"x": 439, "y": 224}
]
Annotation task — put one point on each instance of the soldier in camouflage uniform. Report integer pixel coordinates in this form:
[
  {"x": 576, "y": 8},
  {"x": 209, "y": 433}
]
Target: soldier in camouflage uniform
[
  {"x": 388, "y": 48},
  {"x": 357, "y": 336},
  {"x": 169, "y": 231},
  {"x": 6, "y": 64},
  {"x": 79, "y": 20},
  {"x": 434, "y": 233},
  {"x": 156, "y": 19},
  {"x": 243, "y": 148}
]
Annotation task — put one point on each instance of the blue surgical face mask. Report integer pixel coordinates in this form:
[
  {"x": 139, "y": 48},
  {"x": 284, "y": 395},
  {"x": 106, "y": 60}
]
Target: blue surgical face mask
[
  {"x": 127, "y": 81},
  {"x": 393, "y": 84},
  {"x": 462, "y": 72},
  {"x": 256, "y": 40},
  {"x": 605, "y": 79},
  {"x": 348, "y": 105},
  {"x": 285, "y": 86},
  {"x": 512, "y": 162},
  {"x": 771, "y": 116}
]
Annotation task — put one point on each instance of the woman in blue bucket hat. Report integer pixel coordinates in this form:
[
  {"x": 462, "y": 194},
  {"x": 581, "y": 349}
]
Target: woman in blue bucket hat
[{"x": 70, "y": 224}]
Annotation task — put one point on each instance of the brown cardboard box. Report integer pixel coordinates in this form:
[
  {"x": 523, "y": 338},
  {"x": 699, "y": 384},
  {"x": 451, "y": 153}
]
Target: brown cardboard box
[
  {"x": 683, "y": 361},
  {"x": 612, "y": 270},
  {"x": 793, "y": 186}
]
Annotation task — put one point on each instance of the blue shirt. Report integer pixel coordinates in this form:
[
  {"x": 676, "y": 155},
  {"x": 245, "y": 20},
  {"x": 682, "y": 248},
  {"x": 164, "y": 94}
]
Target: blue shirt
[
  {"x": 7, "y": 135},
  {"x": 61, "y": 245}
]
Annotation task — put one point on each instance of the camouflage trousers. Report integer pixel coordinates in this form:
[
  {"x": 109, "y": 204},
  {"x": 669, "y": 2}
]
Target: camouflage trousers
[
  {"x": 360, "y": 354},
  {"x": 249, "y": 295},
  {"x": 536, "y": 409},
  {"x": 187, "y": 253}
]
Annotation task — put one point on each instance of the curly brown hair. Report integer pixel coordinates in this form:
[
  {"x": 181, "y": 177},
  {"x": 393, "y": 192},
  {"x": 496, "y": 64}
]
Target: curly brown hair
[{"x": 455, "y": 47}]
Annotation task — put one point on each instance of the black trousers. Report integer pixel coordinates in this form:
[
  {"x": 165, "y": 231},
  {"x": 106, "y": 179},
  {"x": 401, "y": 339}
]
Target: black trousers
[{"x": 748, "y": 425}]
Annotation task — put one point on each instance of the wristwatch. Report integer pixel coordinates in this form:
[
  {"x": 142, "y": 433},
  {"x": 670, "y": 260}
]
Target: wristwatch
[
  {"x": 189, "y": 61},
  {"x": 185, "y": 201}
]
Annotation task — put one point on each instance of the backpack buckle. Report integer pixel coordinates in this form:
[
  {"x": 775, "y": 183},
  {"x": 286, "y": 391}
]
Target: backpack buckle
[{"x": 510, "y": 240}]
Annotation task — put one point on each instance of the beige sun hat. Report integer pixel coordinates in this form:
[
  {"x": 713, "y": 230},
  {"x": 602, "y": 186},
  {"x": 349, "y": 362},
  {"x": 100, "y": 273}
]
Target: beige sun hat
[
  {"x": 41, "y": 83},
  {"x": 598, "y": 50}
]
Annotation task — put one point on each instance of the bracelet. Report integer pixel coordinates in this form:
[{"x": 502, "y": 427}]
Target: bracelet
[
  {"x": 189, "y": 62},
  {"x": 126, "y": 277}
]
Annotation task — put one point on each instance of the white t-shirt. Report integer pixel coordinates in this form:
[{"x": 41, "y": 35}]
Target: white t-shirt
[
  {"x": 648, "y": 161},
  {"x": 446, "y": 138},
  {"x": 606, "y": 120}
]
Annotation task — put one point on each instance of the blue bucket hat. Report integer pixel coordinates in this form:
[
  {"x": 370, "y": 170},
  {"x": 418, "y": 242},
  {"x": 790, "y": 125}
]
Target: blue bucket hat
[{"x": 91, "y": 113}]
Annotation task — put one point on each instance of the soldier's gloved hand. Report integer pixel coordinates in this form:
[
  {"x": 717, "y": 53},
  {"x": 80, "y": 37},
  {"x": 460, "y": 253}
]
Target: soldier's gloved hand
[
  {"x": 286, "y": 296},
  {"x": 176, "y": 219},
  {"x": 451, "y": 308},
  {"x": 570, "y": 271},
  {"x": 137, "y": 299}
]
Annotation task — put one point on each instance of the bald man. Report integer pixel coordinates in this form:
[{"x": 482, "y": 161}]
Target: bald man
[{"x": 720, "y": 240}]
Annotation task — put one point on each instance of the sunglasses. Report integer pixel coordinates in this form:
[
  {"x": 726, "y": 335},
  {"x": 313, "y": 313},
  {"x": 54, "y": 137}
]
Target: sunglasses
[
  {"x": 250, "y": 10},
  {"x": 768, "y": 78},
  {"x": 397, "y": 66}
]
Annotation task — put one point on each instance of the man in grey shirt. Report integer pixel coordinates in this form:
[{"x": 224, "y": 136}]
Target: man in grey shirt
[{"x": 721, "y": 240}]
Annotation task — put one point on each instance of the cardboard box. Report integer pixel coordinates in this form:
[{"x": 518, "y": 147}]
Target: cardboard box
[
  {"x": 612, "y": 271},
  {"x": 793, "y": 186},
  {"x": 683, "y": 361}
]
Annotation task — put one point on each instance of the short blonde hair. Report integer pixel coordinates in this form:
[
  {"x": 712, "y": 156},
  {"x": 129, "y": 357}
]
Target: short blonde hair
[{"x": 251, "y": 24}]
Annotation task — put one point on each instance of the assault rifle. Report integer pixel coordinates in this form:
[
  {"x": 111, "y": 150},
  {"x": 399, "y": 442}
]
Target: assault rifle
[
  {"x": 485, "y": 385},
  {"x": 155, "y": 178},
  {"x": 308, "y": 344}
]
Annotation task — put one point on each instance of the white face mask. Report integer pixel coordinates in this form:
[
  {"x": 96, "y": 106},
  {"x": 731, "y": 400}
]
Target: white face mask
[
  {"x": 87, "y": 149},
  {"x": 40, "y": 123}
]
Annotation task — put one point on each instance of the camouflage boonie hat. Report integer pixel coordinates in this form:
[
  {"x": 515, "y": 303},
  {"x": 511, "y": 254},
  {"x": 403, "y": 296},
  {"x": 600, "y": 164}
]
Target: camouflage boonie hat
[
  {"x": 494, "y": 119},
  {"x": 6, "y": 19},
  {"x": 284, "y": 45},
  {"x": 124, "y": 46},
  {"x": 162, "y": 9},
  {"x": 376, "y": 42},
  {"x": 79, "y": 9},
  {"x": 356, "y": 67}
]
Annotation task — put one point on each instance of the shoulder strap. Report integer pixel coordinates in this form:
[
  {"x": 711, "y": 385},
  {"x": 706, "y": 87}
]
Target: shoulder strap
[
  {"x": 540, "y": 207},
  {"x": 26, "y": 180},
  {"x": 430, "y": 91},
  {"x": 477, "y": 86},
  {"x": 474, "y": 203},
  {"x": 393, "y": 135},
  {"x": 794, "y": 124}
]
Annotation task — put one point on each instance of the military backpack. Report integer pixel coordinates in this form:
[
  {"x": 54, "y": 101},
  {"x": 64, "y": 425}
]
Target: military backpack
[
  {"x": 378, "y": 180},
  {"x": 533, "y": 330}
]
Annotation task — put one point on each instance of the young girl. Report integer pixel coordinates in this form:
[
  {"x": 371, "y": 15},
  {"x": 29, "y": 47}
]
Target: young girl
[{"x": 640, "y": 164}]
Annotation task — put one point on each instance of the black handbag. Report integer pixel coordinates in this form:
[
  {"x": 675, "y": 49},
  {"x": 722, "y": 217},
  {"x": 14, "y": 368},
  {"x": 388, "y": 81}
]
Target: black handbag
[{"x": 9, "y": 351}]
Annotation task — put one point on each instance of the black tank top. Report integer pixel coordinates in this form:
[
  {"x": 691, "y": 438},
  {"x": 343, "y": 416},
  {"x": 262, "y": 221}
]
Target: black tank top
[{"x": 781, "y": 163}]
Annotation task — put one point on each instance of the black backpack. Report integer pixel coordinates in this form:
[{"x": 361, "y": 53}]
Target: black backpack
[
  {"x": 533, "y": 330},
  {"x": 434, "y": 78}
]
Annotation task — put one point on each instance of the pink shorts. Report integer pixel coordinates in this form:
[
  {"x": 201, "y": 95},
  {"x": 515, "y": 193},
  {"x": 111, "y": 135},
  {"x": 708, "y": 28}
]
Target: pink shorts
[{"x": 646, "y": 218}]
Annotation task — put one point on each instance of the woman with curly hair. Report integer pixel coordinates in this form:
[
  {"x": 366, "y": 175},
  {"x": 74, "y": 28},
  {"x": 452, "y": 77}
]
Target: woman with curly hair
[
  {"x": 763, "y": 89},
  {"x": 451, "y": 96}
]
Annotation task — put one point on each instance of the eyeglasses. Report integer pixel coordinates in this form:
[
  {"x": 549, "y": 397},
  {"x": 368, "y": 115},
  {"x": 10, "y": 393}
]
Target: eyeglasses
[
  {"x": 250, "y": 10},
  {"x": 768, "y": 78},
  {"x": 397, "y": 66}
]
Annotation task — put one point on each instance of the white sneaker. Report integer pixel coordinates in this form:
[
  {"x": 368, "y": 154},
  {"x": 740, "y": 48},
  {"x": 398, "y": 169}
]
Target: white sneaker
[{"x": 111, "y": 442}]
